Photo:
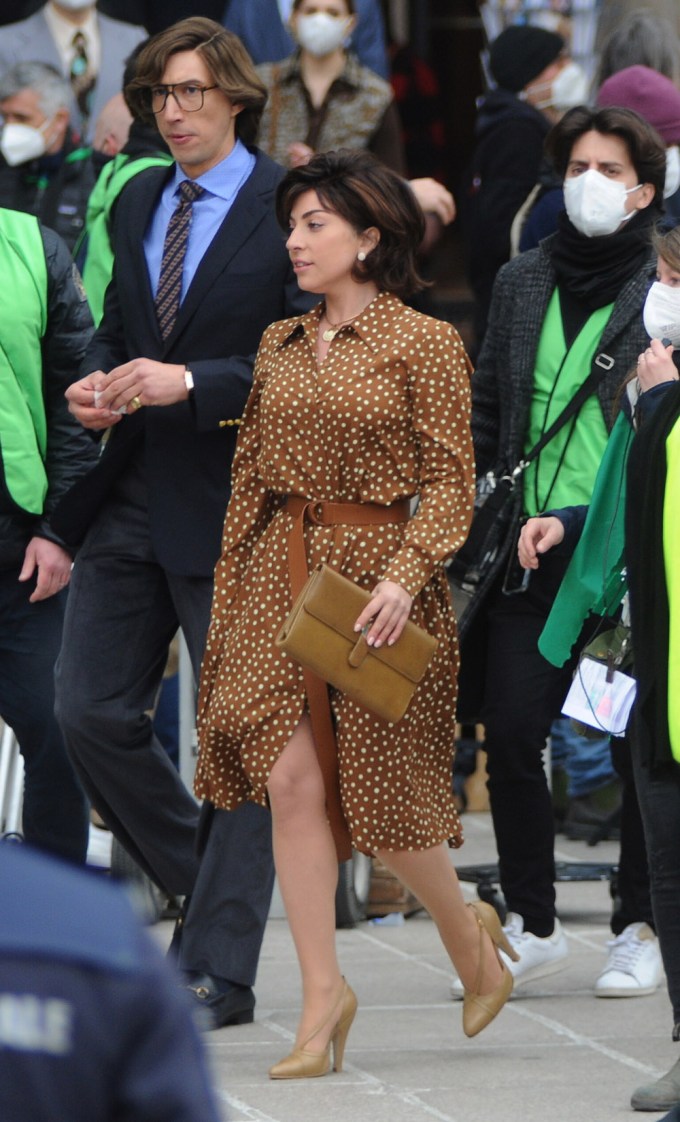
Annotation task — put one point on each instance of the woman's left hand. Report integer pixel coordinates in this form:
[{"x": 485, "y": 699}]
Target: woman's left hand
[
  {"x": 389, "y": 609},
  {"x": 655, "y": 365}
]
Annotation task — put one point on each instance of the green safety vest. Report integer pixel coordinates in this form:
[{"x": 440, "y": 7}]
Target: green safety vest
[
  {"x": 23, "y": 322},
  {"x": 671, "y": 544},
  {"x": 99, "y": 260}
]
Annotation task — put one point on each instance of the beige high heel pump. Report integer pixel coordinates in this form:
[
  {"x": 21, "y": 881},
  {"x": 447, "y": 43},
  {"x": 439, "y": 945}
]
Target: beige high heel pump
[
  {"x": 301, "y": 1064},
  {"x": 480, "y": 1009}
]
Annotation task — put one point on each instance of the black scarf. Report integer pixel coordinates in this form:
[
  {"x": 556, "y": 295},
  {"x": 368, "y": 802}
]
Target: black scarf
[
  {"x": 645, "y": 563},
  {"x": 594, "y": 270}
]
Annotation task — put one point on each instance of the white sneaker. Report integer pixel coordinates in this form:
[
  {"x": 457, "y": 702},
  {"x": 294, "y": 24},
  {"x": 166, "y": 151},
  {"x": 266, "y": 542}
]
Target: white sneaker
[
  {"x": 634, "y": 966},
  {"x": 537, "y": 957}
]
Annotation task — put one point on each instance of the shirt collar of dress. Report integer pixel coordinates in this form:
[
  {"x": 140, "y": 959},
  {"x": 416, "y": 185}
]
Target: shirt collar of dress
[
  {"x": 371, "y": 324},
  {"x": 351, "y": 75}
]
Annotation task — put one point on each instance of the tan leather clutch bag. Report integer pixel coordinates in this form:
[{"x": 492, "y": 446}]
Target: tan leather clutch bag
[{"x": 319, "y": 634}]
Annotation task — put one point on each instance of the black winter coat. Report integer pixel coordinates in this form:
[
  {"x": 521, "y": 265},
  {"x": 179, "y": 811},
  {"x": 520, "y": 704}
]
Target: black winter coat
[
  {"x": 504, "y": 169},
  {"x": 53, "y": 188}
]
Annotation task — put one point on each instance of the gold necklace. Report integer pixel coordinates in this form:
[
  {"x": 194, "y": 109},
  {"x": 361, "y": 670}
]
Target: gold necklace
[{"x": 332, "y": 330}]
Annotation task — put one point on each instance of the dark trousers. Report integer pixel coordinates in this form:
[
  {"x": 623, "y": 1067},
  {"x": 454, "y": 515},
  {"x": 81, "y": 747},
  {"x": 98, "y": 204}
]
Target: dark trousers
[
  {"x": 523, "y": 694},
  {"x": 659, "y": 795},
  {"x": 55, "y": 816},
  {"x": 634, "y": 895},
  {"x": 123, "y": 610}
]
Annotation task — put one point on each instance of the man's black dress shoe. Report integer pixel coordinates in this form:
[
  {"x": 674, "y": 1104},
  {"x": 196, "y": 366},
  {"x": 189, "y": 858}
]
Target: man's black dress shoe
[{"x": 218, "y": 1003}]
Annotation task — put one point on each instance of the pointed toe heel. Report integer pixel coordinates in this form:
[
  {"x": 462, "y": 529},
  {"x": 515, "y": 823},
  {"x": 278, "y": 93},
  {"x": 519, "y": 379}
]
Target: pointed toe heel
[
  {"x": 480, "y": 1009},
  {"x": 302, "y": 1064}
]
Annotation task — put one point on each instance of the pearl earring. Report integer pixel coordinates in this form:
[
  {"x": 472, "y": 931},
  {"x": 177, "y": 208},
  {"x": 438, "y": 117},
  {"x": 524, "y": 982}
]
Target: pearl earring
[{"x": 361, "y": 256}]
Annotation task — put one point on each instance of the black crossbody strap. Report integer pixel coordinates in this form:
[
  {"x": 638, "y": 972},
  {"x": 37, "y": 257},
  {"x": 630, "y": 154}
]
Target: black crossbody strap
[
  {"x": 602, "y": 364},
  {"x": 490, "y": 510}
]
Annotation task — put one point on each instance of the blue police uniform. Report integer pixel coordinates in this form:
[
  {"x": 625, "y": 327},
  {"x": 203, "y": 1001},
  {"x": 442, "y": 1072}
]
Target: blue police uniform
[{"x": 92, "y": 1025}]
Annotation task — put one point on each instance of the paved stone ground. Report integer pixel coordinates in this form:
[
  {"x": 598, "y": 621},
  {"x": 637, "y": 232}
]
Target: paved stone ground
[{"x": 555, "y": 1052}]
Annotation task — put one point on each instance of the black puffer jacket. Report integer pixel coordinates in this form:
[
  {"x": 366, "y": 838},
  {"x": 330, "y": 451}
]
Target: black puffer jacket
[
  {"x": 71, "y": 450},
  {"x": 53, "y": 188}
]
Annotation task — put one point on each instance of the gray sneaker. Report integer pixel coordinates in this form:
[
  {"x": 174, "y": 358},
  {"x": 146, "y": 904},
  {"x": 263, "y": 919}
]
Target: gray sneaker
[{"x": 660, "y": 1095}]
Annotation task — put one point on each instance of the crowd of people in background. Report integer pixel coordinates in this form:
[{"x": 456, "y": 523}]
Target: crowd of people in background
[{"x": 169, "y": 359}]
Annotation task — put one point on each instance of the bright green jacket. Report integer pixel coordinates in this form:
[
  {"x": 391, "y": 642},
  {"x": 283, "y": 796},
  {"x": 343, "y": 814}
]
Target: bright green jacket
[
  {"x": 98, "y": 266},
  {"x": 23, "y": 322}
]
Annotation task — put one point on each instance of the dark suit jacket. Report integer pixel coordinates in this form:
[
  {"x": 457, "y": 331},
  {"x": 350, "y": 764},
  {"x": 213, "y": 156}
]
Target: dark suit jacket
[{"x": 243, "y": 283}]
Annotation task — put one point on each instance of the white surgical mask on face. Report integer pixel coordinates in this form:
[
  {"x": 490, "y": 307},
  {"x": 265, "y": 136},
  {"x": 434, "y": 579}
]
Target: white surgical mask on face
[
  {"x": 20, "y": 143},
  {"x": 320, "y": 34},
  {"x": 661, "y": 313},
  {"x": 672, "y": 171},
  {"x": 596, "y": 205},
  {"x": 570, "y": 87}
]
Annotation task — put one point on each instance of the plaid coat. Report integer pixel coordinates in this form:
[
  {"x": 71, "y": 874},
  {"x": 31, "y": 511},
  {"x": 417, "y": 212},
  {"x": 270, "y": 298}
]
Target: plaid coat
[{"x": 502, "y": 385}]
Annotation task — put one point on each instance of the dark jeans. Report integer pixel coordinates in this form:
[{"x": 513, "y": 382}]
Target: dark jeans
[
  {"x": 55, "y": 815},
  {"x": 523, "y": 694},
  {"x": 659, "y": 795}
]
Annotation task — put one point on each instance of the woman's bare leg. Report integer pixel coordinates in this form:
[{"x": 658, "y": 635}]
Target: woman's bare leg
[
  {"x": 307, "y": 870},
  {"x": 432, "y": 878}
]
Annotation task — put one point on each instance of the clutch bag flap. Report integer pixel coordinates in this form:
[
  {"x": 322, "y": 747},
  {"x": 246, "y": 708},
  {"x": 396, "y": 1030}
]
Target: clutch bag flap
[{"x": 319, "y": 634}]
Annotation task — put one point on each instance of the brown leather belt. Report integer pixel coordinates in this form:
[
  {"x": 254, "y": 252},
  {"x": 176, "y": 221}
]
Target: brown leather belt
[{"x": 323, "y": 513}]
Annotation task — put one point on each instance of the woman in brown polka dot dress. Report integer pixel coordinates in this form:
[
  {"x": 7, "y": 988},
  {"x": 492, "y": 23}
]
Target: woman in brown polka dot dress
[{"x": 363, "y": 402}]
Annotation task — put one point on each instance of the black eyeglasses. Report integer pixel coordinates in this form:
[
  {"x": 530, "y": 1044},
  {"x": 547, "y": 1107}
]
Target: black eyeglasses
[{"x": 188, "y": 95}]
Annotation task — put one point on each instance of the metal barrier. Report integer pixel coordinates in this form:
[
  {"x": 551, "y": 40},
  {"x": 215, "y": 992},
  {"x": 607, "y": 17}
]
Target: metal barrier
[{"x": 11, "y": 783}]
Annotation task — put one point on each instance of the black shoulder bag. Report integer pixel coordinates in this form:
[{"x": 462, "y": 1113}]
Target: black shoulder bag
[{"x": 494, "y": 508}]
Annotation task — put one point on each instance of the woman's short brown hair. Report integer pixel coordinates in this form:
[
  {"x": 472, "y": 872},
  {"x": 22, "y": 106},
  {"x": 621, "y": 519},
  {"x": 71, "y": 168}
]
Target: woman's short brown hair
[
  {"x": 224, "y": 55},
  {"x": 355, "y": 185},
  {"x": 646, "y": 149},
  {"x": 666, "y": 244}
]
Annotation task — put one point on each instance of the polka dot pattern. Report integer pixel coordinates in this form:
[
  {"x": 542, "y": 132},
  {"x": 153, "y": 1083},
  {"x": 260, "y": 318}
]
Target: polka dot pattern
[{"x": 385, "y": 416}]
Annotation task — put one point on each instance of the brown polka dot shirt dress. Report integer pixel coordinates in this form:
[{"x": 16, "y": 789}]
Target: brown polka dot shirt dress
[{"x": 384, "y": 417}]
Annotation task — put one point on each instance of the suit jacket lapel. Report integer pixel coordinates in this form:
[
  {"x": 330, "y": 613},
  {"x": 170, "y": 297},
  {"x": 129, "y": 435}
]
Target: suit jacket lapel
[
  {"x": 252, "y": 205},
  {"x": 135, "y": 231}
]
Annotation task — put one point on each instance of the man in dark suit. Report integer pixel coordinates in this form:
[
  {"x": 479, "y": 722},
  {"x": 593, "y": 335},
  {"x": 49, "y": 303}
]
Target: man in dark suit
[{"x": 179, "y": 360}]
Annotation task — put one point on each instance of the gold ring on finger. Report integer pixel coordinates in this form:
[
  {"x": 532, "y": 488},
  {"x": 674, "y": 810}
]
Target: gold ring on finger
[{"x": 134, "y": 404}]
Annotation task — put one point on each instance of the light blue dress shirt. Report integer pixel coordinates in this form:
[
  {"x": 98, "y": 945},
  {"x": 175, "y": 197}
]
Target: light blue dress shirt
[{"x": 221, "y": 184}]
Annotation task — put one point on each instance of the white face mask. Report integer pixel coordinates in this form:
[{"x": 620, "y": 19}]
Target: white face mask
[
  {"x": 20, "y": 143},
  {"x": 75, "y": 5},
  {"x": 321, "y": 34},
  {"x": 661, "y": 313},
  {"x": 596, "y": 205},
  {"x": 570, "y": 88},
  {"x": 672, "y": 171}
]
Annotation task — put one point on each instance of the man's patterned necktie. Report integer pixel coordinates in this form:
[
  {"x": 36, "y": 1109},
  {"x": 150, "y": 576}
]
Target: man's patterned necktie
[
  {"x": 174, "y": 252},
  {"x": 82, "y": 80}
]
